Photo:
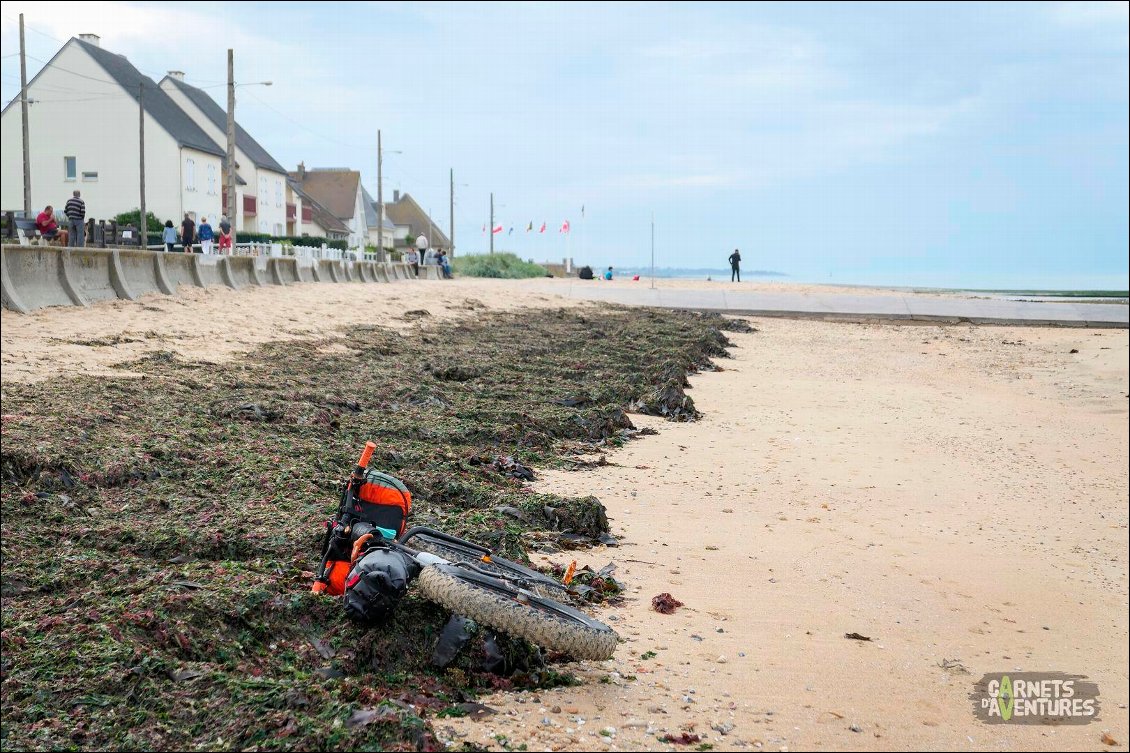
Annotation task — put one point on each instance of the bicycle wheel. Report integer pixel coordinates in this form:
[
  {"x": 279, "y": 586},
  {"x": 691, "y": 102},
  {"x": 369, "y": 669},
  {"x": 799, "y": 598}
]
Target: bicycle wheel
[
  {"x": 494, "y": 603},
  {"x": 539, "y": 583}
]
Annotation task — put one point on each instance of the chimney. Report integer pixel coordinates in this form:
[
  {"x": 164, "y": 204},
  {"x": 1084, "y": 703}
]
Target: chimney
[
  {"x": 178, "y": 75},
  {"x": 93, "y": 39},
  {"x": 302, "y": 171},
  {"x": 396, "y": 196}
]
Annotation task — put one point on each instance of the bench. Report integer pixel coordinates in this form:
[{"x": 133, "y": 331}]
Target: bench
[{"x": 29, "y": 234}]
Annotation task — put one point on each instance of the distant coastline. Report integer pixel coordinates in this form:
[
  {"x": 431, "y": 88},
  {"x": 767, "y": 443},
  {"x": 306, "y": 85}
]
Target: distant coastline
[
  {"x": 693, "y": 273},
  {"x": 723, "y": 275}
]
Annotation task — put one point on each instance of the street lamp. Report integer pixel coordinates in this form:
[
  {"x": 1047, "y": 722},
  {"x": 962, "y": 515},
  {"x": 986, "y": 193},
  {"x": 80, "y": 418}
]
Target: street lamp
[
  {"x": 500, "y": 206},
  {"x": 451, "y": 208},
  {"x": 380, "y": 196}
]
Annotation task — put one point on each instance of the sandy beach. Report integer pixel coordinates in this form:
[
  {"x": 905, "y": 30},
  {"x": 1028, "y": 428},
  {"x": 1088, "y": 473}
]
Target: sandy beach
[{"x": 956, "y": 494}]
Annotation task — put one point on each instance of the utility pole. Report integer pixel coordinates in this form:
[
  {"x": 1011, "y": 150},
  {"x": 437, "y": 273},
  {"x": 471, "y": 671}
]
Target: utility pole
[
  {"x": 23, "y": 111},
  {"x": 451, "y": 225},
  {"x": 143, "y": 224},
  {"x": 380, "y": 203},
  {"x": 491, "y": 228},
  {"x": 233, "y": 211}
]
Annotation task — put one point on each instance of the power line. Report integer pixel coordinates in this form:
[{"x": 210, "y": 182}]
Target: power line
[
  {"x": 32, "y": 28},
  {"x": 302, "y": 126},
  {"x": 58, "y": 67}
]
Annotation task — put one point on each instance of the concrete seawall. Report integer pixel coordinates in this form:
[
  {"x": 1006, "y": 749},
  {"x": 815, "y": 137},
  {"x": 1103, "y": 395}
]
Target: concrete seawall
[{"x": 35, "y": 277}]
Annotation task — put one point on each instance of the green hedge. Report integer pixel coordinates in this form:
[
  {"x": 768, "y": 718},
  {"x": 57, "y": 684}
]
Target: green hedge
[
  {"x": 506, "y": 266},
  {"x": 296, "y": 240}
]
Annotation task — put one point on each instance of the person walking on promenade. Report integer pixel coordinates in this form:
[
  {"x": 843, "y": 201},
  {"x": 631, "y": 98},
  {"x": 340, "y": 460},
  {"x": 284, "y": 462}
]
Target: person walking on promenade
[
  {"x": 169, "y": 236},
  {"x": 76, "y": 215},
  {"x": 225, "y": 234},
  {"x": 413, "y": 259},
  {"x": 187, "y": 233},
  {"x": 735, "y": 266},
  {"x": 205, "y": 234},
  {"x": 48, "y": 228}
]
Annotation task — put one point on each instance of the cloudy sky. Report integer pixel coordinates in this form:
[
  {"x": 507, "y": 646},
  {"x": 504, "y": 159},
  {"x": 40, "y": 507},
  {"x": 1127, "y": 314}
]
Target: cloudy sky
[{"x": 921, "y": 144}]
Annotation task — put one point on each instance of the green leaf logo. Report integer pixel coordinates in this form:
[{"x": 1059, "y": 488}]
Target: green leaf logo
[{"x": 1005, "y": 699}]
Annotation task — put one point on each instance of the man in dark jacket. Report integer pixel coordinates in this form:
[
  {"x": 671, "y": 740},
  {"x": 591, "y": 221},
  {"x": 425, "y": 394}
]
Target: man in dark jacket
[
  {"x": 187, "y": 233},
  {"x": 735, "y": 266}
]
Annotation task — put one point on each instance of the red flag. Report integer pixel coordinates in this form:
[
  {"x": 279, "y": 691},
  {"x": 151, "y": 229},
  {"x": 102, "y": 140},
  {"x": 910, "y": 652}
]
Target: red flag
[
  {"x": 542, "y": 228},
  {"x": 565, "y": 226},
  {"x": 497, "y": 229}
]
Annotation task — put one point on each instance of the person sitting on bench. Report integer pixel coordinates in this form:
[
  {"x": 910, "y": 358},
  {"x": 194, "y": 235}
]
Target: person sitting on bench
[{"x": 48, "y": 228}]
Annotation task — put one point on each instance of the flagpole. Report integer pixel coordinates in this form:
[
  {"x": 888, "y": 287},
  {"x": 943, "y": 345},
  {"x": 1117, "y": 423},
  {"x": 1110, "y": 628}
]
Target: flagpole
[
  {"x": 584, "y": 236},
  {"x": 653, "y": 250}
]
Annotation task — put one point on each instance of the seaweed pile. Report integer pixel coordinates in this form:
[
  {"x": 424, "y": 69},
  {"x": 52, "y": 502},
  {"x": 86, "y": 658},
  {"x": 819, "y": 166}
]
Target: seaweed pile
[{"x": 159, "y": 528}]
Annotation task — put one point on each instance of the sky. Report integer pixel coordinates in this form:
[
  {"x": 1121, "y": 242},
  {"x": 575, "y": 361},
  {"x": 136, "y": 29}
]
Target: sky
[{"x": 948, "y": 145}]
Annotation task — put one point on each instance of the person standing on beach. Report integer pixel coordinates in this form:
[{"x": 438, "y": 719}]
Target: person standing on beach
[
  {"x": 187, "y": 233},
  {"x": 76, "y": 214},
  {"x": 735, "y": 266}
]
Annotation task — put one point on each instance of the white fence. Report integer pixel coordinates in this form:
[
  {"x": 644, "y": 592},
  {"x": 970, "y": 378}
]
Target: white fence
[{"x": 299, "y": 252}]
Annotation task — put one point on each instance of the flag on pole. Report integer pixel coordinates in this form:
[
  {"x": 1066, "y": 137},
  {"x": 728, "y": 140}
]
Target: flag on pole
[
  {"x": 497, "y": 229},
  {"x": 565, "y": 226},
  {"x": 542, "y": 228},
  {"x": 530, "y": 226}
]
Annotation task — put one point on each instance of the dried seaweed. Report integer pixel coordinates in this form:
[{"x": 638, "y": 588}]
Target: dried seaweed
[{"x": 119, "y": 492}]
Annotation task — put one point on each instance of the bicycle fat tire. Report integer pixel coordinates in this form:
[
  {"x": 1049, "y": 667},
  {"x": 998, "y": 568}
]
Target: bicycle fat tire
[
  {"x": 539, "y": 583},
  {"x": 543, "y": 622}
]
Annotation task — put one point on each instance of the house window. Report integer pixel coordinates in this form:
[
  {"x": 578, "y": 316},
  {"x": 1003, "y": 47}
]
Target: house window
[
  {"x": 278, "y": 193},
  {"x": 90, "y": 177},
  {"x": 190, "y": 175},
  {"x": 70, "y": 168}
]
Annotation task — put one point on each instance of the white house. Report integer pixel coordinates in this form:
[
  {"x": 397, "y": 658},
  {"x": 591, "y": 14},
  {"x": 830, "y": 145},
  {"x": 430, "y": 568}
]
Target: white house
[
  {"x": 339, "y": 191},
  {"x": 263, "y": 202},
  {"x": 83, "y": 133}
]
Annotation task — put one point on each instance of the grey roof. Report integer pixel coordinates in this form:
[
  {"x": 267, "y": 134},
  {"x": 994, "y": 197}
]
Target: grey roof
[
  {"x": 219, "y": 118},
  {"x": 158, "y": 104},
  {"x": 408, "y": 212},
  {"x": 371, "y": 212}
]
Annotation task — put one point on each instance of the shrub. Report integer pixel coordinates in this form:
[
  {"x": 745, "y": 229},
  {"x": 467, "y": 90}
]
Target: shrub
[
  {"x": 153, "y": 224},
  {"x": 506, "y": 266}
]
